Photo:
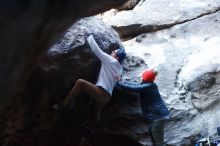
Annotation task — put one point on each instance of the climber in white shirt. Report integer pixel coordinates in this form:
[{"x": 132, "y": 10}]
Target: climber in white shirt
[{"x": 110, "y": 73}]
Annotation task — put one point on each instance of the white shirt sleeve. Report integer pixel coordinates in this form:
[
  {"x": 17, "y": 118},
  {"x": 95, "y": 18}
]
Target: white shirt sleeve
[{"x": 104, "y": 57}]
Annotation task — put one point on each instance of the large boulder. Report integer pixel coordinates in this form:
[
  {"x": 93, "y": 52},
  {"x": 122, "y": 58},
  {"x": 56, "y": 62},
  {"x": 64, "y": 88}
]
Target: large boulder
[{"x": 72, "y": 58}]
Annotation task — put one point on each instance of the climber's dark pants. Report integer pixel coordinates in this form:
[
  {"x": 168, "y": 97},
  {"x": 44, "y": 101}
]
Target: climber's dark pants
[
  {"x": 98, "y": 94},
  {"x": 157, "y": 132}
]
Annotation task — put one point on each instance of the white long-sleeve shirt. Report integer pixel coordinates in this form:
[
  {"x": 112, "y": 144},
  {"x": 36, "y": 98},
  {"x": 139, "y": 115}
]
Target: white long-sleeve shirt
[{"x": 111, "y": 69}]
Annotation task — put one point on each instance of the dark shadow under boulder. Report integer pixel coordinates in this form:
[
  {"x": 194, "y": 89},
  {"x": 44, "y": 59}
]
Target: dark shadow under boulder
[{"x": 57, "y": 138}]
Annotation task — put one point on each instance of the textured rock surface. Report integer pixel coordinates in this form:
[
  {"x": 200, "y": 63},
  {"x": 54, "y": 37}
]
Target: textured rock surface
[{"x": 152, "y": 15}]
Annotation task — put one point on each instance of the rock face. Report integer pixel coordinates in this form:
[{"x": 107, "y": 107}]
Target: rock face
[
  {"x": 71, "y": 58},
  {"x": 187, "y": 58},
  {"x": 154, "y": 15},
  {"x": 29, "y": 28}
]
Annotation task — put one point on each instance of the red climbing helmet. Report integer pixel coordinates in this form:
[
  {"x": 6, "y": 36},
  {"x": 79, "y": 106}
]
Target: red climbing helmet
[{"x": 149, "y": 75}]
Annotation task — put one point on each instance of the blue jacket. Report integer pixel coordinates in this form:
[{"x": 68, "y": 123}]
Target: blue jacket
[{"x": 152, "y": 105}]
